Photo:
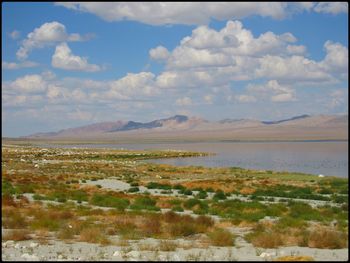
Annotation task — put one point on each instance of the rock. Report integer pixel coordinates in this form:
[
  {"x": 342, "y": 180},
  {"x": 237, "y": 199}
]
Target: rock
[
  {"x": 264, "y": 255},
  {"x": 334, "y": 223},
  {"x": 28, "y": 257},
  {"x": 33, "y": 245},
  {"x": 117, "y": 254},
  {"x": 133, "y": 254},
  {"x": 162, "y": 258},
  {"x": 176, "y": 257},
  {"x": 17, "y": 246},
  {"x": 9, "y": 243},
  {"x": 60, "y": 257}
]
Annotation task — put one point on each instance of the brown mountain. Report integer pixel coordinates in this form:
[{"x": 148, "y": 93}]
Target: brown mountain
[{"x": 180, "y": 127}]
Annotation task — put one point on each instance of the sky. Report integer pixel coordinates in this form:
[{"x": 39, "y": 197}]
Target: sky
[{"x": 70, "y": 64}]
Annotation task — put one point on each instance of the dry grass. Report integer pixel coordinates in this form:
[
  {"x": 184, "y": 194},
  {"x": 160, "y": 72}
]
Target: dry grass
[
  {"x": 267, "y": 240},
  {"x": 13, "y": 219},
  {"x": 17, "y": 235},
  {"x": 294, "y": 258},
  {"x": 147, "y": 247},
  {"x": 167, "y": 245},
  {"x": 94, "y": 235},
  {"x": 327, "y": 238},
  {"x": 42, "y": 236},
  {"x": 152, "y": 226},
  {"x": 221, "y": 237},
  {"x": 66, "y": 233}
]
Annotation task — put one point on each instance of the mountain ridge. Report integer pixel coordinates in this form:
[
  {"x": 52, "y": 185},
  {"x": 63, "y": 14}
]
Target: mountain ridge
[{"x": 181, "y": 124}]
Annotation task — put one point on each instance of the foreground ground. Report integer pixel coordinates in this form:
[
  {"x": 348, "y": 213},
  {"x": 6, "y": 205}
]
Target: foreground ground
[{"x": 103, "y": 204}]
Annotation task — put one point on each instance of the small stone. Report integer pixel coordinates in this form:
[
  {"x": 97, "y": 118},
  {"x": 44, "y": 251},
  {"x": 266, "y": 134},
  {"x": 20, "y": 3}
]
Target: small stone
[
  {"x": 9, "y": 243},
  {"x": 60, "y": 257},
  {"x": 133, "y": 254},
  {"x": 30, "y": 257},
  {"x": 33, "y": 245},
  {"x": 264, "y": 255},
  {"x": 176, "y": 257},
  {"x": 162, "y": 258},
  {"x": 17, "y": 246},
  {"x": 116, "y": 254}
]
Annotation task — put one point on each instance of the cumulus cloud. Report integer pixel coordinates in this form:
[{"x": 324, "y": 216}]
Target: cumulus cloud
[
  {"x": 14, "y": 65},
  {"x": 336, "y": 59},
  {"x": 64, "y": 59},
  {"x": 133, "y": 84},
  {"x": 331, "y": 7},
  {"x": 159, "y": 53},
  {"x": 211, "y": 57},
  {"x": 272, "y": 90},
  {"x": 28, "y": 84},
  {"x": 185, "y": 101},
  {"x": 190, "y": 13},
  {"x": 45, "y": 35}
]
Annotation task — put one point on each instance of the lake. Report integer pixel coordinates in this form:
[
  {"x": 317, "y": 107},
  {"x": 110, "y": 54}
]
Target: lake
[{"x": 314, "y": 157}]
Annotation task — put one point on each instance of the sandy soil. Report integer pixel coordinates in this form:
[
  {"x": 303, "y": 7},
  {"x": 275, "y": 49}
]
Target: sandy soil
[{"x": 81, "y": 251}]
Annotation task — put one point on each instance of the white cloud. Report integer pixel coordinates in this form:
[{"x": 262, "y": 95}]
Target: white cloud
[
  {"x": 139, "y": 84},
  {"x": 15, "y": 34},
  {"x": 211, "y": 57},
  {"x": 296, "y": 49},
  {"x": 336, "y": 59},
  {"x": 272, "y": 90},
  {"x": 331, "y": 7},
  {"x": 185, "y": 101},
  {"x": 29, "y": 84},
  {"x": 245, "y": 98},
  {"x": 14, "y": 65},
  {"x": 53, "y": 92},
  {"x": 159, "y": 53},
  {"x": 283, "y": 97},
  {"x": 338, "y": 98},
  {"x": 293, "y": 69},
  {"x": 191, "y": 13},
  {"x": 47, "y": 34},
  {"x": 208, "y": 99},
  {"x": 64, "y": 59}
]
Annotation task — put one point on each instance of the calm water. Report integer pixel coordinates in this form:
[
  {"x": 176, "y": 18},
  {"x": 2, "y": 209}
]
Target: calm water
[{"x": 328, "y": 158}]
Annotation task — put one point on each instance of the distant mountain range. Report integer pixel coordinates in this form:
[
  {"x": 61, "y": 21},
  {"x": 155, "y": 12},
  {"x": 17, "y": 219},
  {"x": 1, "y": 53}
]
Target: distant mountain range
[{"x": 180, "y": 126}]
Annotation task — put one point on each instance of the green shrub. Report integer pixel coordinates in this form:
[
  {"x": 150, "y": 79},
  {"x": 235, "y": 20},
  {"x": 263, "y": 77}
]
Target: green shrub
[
  {"x": 7, "y": 188},
  {"x": 78, "y": 195},
  {"x": 202, "y": 195},
  {"x": 177, "y": 208},
  {"x": 144, "y": 203},
  {"x": 210, "y": 190},
  {"x": 191, "y": 203},
  {"x": 179, "y": 187},
  {"x": 219, "y": 195},
  {"x": 133, "y": 189},
  {"x": 109, "y": 201},
  {"x": 187, "y": 192}
]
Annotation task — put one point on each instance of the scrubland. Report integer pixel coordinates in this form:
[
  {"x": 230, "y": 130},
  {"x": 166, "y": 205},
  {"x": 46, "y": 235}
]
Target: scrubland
[{"x": 129, "y": 209}]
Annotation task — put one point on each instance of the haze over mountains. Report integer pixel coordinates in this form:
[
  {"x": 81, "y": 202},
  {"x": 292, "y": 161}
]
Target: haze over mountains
[{"x": 319, "y": 127}]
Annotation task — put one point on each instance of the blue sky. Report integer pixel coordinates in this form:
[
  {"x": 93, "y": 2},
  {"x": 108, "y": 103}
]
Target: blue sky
[{"x": 72, "y": 64}]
